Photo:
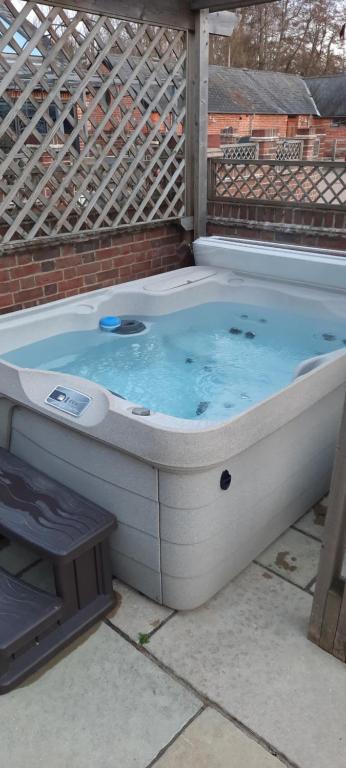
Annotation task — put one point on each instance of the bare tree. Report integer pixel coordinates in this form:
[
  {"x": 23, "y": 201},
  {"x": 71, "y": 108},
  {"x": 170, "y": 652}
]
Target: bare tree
[{"x": 297, "y": 36}]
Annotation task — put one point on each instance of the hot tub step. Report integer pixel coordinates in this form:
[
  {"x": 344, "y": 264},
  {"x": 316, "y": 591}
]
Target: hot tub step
[
  {"x": 45, "y": 515},
  {"x": 15, "y": 670},
  {"x": 72, "y": 533},
  {"x": 25, "y": 612}
]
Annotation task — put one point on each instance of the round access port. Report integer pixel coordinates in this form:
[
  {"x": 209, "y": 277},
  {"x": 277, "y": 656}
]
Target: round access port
[
  {"x": 225, "y": 480},
  {"x": 129, "y": 327}
]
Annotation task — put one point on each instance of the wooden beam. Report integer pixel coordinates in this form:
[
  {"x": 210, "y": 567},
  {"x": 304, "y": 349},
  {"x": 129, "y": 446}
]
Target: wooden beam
[
  {"x": 175, "y": 13},
  {"x": 166, "y": 13},
  {"x": 330, "y": 583},
  {"x": 190, "y": 148},
  {"x": 178, "y": 14},
  {"x": 225, "y": 5},
  {"x": 201, "y": 122}
]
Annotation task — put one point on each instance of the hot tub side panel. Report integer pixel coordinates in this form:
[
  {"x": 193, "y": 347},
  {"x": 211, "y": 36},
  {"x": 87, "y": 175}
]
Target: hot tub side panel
[
  {"x": 180, "y": 537},
  {"x": 209, "y": 535},
  {"x": 120, "y": 483}
]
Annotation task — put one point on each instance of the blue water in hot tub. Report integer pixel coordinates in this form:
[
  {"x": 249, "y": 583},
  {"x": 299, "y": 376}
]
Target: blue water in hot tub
[{"x": 188, "y": 364}]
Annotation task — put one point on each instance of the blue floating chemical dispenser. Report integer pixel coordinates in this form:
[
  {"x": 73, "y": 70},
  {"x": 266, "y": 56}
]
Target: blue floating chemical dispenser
[{"x": 109, "y": 323}]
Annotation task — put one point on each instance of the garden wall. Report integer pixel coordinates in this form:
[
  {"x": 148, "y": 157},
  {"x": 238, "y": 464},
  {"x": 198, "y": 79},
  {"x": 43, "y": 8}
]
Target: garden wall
[
  {"x": 31, "y": 275},
  {"x": 300, "y": 226}
]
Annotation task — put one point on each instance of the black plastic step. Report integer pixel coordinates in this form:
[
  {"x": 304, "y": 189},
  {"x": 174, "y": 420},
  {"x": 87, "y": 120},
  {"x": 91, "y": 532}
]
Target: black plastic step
[
  {"x": 45, "y": 515},
  {"x": 25, "y": 613},
  {"x": 72, "y": 533},
  {"x": 34, "y": 657}
]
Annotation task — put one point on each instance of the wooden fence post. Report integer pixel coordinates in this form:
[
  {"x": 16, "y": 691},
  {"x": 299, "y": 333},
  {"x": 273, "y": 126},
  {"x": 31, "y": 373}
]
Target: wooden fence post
[
  {"x": 201, "y": 122},
  {"x": 328, "y": 616}
]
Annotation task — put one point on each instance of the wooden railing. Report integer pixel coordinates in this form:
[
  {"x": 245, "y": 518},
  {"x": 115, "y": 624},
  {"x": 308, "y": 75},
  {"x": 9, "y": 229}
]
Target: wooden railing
[{"x": 303, "y": 182}]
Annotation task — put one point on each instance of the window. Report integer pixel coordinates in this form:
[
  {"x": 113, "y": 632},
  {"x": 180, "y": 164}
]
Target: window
[{"x": 17, "y": 126}]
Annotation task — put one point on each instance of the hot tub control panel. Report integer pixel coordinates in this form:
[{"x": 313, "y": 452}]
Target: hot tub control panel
[{"x": 68, "y": 400}]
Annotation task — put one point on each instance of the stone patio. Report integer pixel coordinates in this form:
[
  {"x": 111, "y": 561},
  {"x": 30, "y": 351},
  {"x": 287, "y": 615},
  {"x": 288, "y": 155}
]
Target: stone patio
[{"x": 234, "y": 684}]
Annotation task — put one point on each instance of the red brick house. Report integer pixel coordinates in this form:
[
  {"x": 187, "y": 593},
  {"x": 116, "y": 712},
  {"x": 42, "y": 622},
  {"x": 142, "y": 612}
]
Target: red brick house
[
  {"x": 276, "y": 106},
  {"x": 329, "y": 94},
  {"x": 243, "y": 104}
]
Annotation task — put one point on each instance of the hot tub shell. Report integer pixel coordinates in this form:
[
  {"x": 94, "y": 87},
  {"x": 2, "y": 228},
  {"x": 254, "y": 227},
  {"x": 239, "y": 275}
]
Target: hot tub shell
[{"x": 181, "y": 537}]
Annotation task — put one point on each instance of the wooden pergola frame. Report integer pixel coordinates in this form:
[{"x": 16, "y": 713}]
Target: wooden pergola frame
[
  {"x": 181, "y": 14},
  {"x": 193, "y": 17}
]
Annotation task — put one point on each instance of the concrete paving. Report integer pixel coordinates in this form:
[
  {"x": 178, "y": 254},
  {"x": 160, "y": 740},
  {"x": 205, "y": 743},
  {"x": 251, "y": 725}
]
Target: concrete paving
[
  {"x": 247, "y": 651},
  {"x": 294, "y": 556},
  {"x": 101, "y": 705},
  {"x": 313, "y": 521},
  {"x": 212, "y": 741},
  {"x": 136, "y": 615},
  {"x": 234, "y": 684}
]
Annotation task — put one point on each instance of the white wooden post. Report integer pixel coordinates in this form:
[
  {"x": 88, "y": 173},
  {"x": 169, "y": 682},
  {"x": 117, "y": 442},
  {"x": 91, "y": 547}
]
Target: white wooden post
[{"x": 201, "y": 122}]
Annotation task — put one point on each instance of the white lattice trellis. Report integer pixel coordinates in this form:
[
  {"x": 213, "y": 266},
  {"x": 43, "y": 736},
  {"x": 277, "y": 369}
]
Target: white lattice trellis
[
  {"x": 289, "y": 149},
  {"x": 246, "y": 151},
  {"x": 92, "y": 114},
  {"x": 308, "y": 182}
]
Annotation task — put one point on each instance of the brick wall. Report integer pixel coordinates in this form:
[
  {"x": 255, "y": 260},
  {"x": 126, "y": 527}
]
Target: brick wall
[
  {"x": 35, "y": 275},
  {"x": 329, "y": 135},
  {"x": 283, "y": 126},
  {"x": 243, "y": 125},
  {"x": 277, "y": 223}
]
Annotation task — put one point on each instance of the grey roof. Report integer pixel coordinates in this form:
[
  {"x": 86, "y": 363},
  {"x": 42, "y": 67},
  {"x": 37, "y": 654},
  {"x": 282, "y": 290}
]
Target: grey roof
[
  {"x": 329, "y": 93},
  {"x": 247, "y": 91}
]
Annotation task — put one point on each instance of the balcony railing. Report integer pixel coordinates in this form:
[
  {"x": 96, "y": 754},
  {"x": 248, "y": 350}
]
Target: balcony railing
[
  {"x": 289, "y": 149},
  {"x": 246, "y": 151},
  {"x": 303, "y": 182}
]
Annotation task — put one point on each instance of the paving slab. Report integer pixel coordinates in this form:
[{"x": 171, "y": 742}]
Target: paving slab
[
  {"x": 135, "y": 613},
  {"x": 103, "y": 705},
  {"x": 14, "y": 557},
  {"x": 313, "y": 521},
  {"x": 212, "y": 741},
  {"x": 294, "y": 556},
  {"x": 312, "y": 586},
  {"x": 247, "y": 651}
]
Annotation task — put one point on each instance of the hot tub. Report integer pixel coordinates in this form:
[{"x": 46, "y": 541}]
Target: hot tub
[{"x": 208, "y": 431}]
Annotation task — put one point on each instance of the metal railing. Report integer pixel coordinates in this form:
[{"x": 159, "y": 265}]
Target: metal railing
[{"x": 289, "y": 182}]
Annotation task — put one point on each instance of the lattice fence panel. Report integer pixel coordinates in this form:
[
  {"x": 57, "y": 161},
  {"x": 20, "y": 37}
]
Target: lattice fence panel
[
  {"x": 92, "y": 115},
  {"x": 339, "y": 149},
  {"x": 246, "y": 151},
  {"x": 316, "y": 148},
  {"x": 289, "y": 149},
  {"x": 305, "y": 182}
]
